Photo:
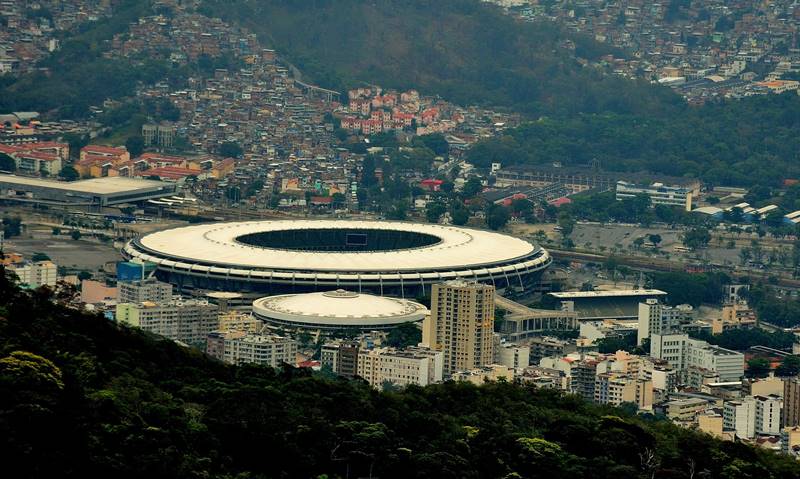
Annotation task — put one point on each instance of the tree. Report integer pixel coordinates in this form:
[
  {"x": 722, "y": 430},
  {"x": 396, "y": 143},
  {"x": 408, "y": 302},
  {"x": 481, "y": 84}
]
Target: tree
[
  {"x": 69, "y": 173},
  {"x": 436, "y": 142},
  {"x": 790, "y": 366},
  {"x": 12, "y": 227},
  {"x": 135, "y": 145},
  {"x": 339, "y": 200},
  {"x": 498, "y": 217},
  {"x": 39, "y": 257},
  {"x": 75, "y": 235},
  {"x": 56, "y": 231},
  {"x": 460, "y": 216},
  {"x": 404, "y": 335},
  {"x": 230, "y": 149},
  {"x": 745, "y": 254},
  {"x": 7, "y": 163},
  {"x": 757, "y": 367},
  {"x": 655, "y": 239},
  {"x": 434, "y": 210},
  {"x": 84, "y": 275},
  {"x": 398, "y": 210},
  {"x": 368, "y": 171},
  {"x": 472, "y": 187},
  {"x": 697, "y": 237}
]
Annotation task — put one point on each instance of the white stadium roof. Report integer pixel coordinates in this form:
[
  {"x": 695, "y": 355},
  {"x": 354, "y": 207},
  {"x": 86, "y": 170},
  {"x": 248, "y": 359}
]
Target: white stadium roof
[
  {"x": 217, "y": 244},
  {"x": 339, "y": 308}
]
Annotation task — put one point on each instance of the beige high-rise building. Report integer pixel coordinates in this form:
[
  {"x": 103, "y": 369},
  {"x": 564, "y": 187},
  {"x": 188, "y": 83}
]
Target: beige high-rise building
[
  {"x": 791, "y": 401},
  {"x": 461, "y": 324}
]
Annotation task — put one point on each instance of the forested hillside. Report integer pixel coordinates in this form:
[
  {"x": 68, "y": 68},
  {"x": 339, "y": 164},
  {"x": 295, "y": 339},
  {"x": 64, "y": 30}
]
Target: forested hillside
[
  {"x": 467, "y": 51},
  {"x": 77, "y": 75},
  {"x": 744, "y": 142},
  {"x": 83, "y": 397}
]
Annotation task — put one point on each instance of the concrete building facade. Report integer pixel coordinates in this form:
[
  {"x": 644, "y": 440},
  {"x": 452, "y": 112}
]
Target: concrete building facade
[
  {"x": 187, "y": 321},
  {"x": 240, "y": 347},
  {"x": 461, "y": 324},
  {"x": 144, "y": 290}
]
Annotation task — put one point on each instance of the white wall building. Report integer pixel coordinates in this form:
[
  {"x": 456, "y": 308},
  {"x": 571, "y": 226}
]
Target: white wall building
[
  {"x": 145, "y": 290},
  {"x": 34, "y": 274},
  {"x": 239, "y": 347},
  {"x": 420, "y": 366},
  {"x": 186, "y": 320},
  {"x": 684, "y": 353},
  {"x": 658, "y": 318},
  {"x": 659, "y": 194},
  {"x": 768, "y": 414},
  {"x": 513, "y": 356},
  {"x": 740, "y": 417}
]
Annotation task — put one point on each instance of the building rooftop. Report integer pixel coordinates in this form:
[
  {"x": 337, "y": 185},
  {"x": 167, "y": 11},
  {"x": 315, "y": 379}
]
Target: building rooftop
[
  {"x": 98, "y": 186},
  {"x": 615, "y": 293},
  {"x": 339, "y": 308},
  {"x": 451, "y": 248}
]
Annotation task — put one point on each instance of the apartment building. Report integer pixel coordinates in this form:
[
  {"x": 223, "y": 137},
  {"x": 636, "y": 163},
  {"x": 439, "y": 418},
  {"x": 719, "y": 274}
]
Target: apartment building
[
  {"x": 740, "y": 417},
  {"x": 684, "y": 353},
  {"x": 379, "y": 366},
  {"x": 150, "y": 290},
  {"x": 615, "y": 388},
  {"x": 768, "y": 414},
  {"x": 512, "y": 355},
  {"x": 186, "y": 320},
  {"x": 791, "y": 402},
  {"x": 35, "y": 273},
  {"x": 658, "y": 318},
  {"x": 461, "y": 324},
  {"x": 241, "y": 347}
]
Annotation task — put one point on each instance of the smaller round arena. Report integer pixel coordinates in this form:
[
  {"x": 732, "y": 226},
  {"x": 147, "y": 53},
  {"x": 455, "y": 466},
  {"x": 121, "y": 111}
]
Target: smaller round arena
[{"x": 337, "y": 310}]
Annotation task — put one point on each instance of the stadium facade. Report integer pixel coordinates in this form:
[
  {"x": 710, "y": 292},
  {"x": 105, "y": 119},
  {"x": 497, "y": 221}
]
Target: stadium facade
[
  {"x": 336, "y": 310},
  {"x": 294, "y": 256}
]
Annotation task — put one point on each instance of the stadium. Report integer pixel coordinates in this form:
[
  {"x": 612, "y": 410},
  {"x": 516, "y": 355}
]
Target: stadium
[
  {"x": 336, "y": 310},
  {"x": 293, "y": 256}
]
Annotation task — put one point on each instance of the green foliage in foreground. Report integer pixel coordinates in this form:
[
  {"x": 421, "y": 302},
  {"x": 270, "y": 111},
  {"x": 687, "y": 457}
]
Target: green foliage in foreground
[{"x": 83, "y": 397}]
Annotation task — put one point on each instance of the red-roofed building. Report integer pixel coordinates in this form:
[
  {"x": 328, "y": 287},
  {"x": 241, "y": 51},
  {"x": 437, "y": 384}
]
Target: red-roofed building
[
  {"x": 560, "y": 201},
  {"x": 429, "y": 116},
  {"x": 431, "y": 184},
  {"x": 38, "y": 157},
  {"x": 111, "y": 153},
  {"x": 321, "y": 201},
  {"x": 156, "y": 160}
]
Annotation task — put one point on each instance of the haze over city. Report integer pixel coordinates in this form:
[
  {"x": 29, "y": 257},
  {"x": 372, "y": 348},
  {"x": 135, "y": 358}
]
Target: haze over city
[{"x": 351, "y": 239}]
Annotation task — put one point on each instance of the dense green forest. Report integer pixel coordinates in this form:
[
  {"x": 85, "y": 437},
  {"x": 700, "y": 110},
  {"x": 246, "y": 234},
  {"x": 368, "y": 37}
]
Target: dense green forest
[
  {"x": 738, "y": 142},
  {"x": 467, "y": 51},
  {"x": 83, "y": 397}
]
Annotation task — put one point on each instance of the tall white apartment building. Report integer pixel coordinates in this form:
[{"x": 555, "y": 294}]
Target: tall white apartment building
[
  {"x": 768, "y": 414},
  {"x": 658, "y": 318},
  {"x": 461, "y": 324},
  {"x": 740, "y": 417}
]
